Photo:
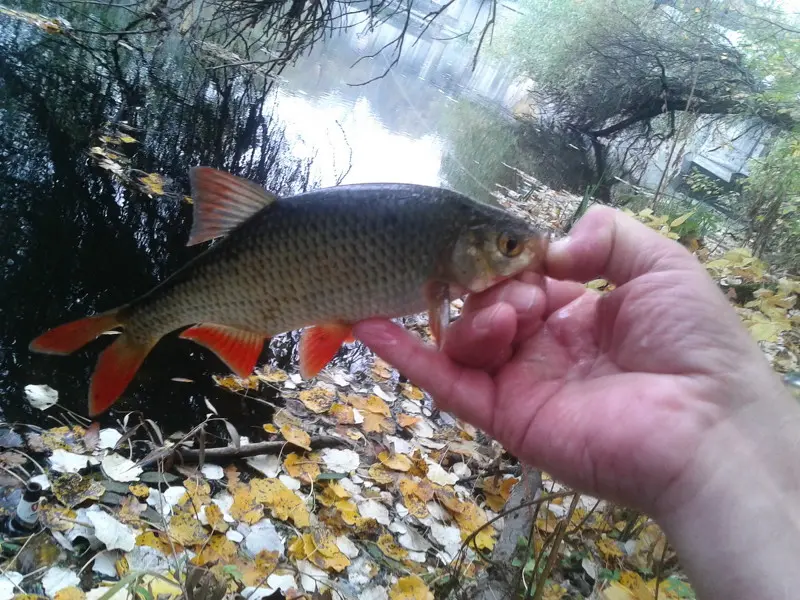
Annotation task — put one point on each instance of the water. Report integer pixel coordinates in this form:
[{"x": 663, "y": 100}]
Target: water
[{"x": 73, "y": 240}]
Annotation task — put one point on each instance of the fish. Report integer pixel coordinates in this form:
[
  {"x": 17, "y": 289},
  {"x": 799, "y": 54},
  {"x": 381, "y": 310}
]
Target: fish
[{"x": 318, "y": 261}]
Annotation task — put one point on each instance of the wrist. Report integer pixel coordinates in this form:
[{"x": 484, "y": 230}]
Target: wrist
[{"x": 734, "y": 515}]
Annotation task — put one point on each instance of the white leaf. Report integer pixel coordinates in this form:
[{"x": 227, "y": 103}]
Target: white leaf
[
  {"x": 590, "y": 567},
  {"x": 423, "y": 429},
  {"x": 212, "y": 472},
  {"x": 437, "y": 511},
  {"x": 7, "y": 582},
  {"x": 411, "y": 540},
  {"x": 41, "y": 396},
  {"x": 339, "y": 380},
  {"x": 402, "y": 511},
  {"x": 281, "y": 582},
  {"x": 376, "y": 389},
  {"x": 109, "y": 438},
  {"x": 340, "y": 461},
  {"x": 401, "y": 446},
  {"x": 346, "y": 546},
  {"x": 462, "y": 470},
  {"x": 410, "y": 407},
  {"x": 234, "y": 536},
  {"x": 309, "y": 575},
  {"x": 438, "y": 475},
  {"x": 361, "y": 571},
  {"x": 376, "y": 592},
  {"x": 119, "y": 468},
  {"x": 224, "y": 501},
  {"x": 82, "y": 531},
  {"x": 104, "y": 563},
  {"x": 269, "y": 465},
  {"x": 290, "y": 482},
  {"x": 419, "y": 557},
  {"x": 156, "y": 500},
  {"x": 358, "y": 418},
  {"x": 370, "y": 509},
  {"x": 147, "y": 558},
  {"x": 173, "y": 494},
  {"x": 57, "y": 578},
  {"x": 98, "y": 592},
  {"x": 110, "y": 531},
  {"x": 263, "y": 536},
  {"x": 448, "y": 537},
  {"x": 68, "y": 462}
]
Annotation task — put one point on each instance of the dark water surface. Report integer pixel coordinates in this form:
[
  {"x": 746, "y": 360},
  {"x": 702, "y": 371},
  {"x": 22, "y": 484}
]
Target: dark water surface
[{"x": 73, "y": 240}]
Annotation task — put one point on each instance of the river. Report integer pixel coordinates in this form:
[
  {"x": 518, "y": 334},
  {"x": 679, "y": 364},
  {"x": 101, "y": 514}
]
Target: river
[{"x": 74, "y": 239}]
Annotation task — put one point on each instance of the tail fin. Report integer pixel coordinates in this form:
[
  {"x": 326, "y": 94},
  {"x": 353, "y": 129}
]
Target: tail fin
[
  {"x": 67, "y": 338},
  {"x": 117, "y": 364},
  {"x": 115, "y": 369}
]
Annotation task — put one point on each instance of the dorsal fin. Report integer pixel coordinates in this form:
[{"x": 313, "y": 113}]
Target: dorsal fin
[{"x": 221, "y": 202}]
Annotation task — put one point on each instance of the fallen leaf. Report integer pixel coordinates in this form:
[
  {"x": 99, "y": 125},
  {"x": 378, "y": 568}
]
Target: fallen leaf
[
  {"x": 410, "y": 588},
  {"x": 296, "y": 436},
  {"x": 398, "y": 462},
  {"x": 140, "y": 490},
  {"x": 153, "y": 183},
  {"x": 71, "y": 489},
  {"x": 318, "y": 400},
  {"x": 304, "y": 468},
  {"x": 186, "y": 530},
  {"x": 263, "y": 537},
  {"x": 405, "y": 420},
  {"x": 119, "y": 468},
  {"x": 41, "y": 396},
  {"x": 58, "y": 578},
  {"x": 110, "y": 531},
  {"x": 246, "y": 508},
  {"x": 340, "y": 461},
  {"x": 282, "y": 502}
]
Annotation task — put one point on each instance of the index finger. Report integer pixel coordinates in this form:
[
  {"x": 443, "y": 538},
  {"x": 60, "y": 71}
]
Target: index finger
[{"x": 607, "y": 243}]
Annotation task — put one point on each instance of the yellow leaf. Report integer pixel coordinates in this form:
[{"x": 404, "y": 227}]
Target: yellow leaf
[
  {"x": 305, "y": 468},
  {"x": 318, "y": 400},
  {"x": 198, "y": 491},
  {"x": 185, "y": 529},
  {"x": 246, "y": 506},
  {"x": 236, "y": 384},
  {"x": 343, "y": 414},
  {"x": 219, "y": 548},
  {"x": 154, "y": 183},
  {"x": 372, "y": 404},
  {"x": 130, "y": 509},
  {"x": 270, "y": 428},
  {"x": 375, "y": 423},
  {"x": 331, "y": 493},
  {"x": 609, "y": 549},
  {"x": 410, "y": 588},
  {"x": 325, "y": 553},
  {"x": 295, "y": 435},
  {"x": 381, "y": 369},
  {"x": 140, "y": 490},
  {"x": 153, "y": 540},
  {"x": 390, "y": 548},
  {"x": 413, "y": 498},
  {"x": 127, "y": 139},
  {"x": 282, "y": 502},
  {"x": 70, "y": 593},
  {"x": 681, "y": 220},
  {"x": 349, "y": 513},
  {"x": 405, "y": 420},
  {"x": 271, "y": 374},
  {"x": 616, "y": 591},
  {"x": 398, "y": 462},
  {"x": 55, "y": 517},
  {"x": 71, "y": 489},
  {"x": 215, "y": 518},
  {"x": 381, "y": 474},
  {"x": 765, "y": 332},
  {"x": 412, "y": 392}
]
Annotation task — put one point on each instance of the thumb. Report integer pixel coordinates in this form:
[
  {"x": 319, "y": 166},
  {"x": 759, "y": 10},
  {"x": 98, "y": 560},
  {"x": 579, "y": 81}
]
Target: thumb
[{"x": 607, "y": 243}]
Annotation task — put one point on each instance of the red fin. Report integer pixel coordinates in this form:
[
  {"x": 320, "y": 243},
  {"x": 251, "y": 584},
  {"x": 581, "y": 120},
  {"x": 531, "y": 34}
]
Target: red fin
[
  {"x": 438, "y": 297},
  {"x": 67, "y": 338},
  {"x": 237, "y": 348},
  {"x": 115, "y": 369},
  {"x": 319, "y": 344},
  {"x": 221, "y": 202}
]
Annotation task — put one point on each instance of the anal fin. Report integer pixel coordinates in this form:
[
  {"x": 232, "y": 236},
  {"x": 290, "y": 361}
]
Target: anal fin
[
  {"x": 319, "y": 344},
  {"x": 237, "y": 348}
]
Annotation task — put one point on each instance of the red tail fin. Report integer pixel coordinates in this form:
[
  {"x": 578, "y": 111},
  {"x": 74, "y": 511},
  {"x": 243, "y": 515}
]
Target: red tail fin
[
  {"x": 67, "y": 338},
  {"x": 319, "y": 344},
  {"x": 237, "y": 348},
  {"x": 115, "y": 369}
]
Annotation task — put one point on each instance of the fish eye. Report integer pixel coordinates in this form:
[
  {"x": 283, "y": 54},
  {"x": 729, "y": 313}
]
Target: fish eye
[{"x": 508, "y": 245}]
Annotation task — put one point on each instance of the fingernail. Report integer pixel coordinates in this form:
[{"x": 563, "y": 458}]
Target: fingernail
[
  {"x": 522, "y": 297},
  {"x": 376, "y": 332},
  {"x": 483, "y": 320}
]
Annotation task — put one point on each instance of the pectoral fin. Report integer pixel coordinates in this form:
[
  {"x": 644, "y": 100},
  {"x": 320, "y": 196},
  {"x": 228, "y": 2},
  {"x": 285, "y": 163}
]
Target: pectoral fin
[
  {"x": 319, "y": 344},
  {"x": 437, "y": 296}
]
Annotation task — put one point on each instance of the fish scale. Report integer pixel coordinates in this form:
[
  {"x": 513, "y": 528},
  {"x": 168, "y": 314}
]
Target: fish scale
[{"x": 324, "y": 260}]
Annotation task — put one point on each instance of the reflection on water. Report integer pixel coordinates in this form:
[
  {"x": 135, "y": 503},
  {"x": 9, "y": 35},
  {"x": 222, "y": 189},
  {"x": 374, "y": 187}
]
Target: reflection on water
[{"x": 73, "y": 240}]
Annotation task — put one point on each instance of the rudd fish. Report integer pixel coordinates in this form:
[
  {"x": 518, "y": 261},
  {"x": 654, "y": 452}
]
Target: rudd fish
[{"x": 321, "y": 260}]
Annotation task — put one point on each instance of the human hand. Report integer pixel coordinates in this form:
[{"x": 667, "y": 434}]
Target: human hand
[{"x": 632, "y": 395}]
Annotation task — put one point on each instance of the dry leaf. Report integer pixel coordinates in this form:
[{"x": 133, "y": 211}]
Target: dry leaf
[
  {"x": 390, "y": 548},
  {"x": 398, "y": 462},
  {"x": 318, "y": 400},
  {"x": 304, "y": 468},
  {"x": 246, "y": 508},
  {"x": 185, "y": 529},
  {"x": 282, "y": 502},
  {"x": 296, "y": 436}
]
